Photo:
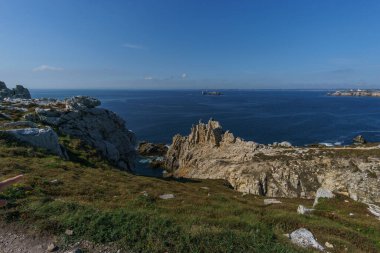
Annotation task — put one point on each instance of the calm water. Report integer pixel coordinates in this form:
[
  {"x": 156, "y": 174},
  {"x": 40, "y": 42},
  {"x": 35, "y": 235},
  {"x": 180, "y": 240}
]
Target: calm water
[{"x": 300, "y": 117}]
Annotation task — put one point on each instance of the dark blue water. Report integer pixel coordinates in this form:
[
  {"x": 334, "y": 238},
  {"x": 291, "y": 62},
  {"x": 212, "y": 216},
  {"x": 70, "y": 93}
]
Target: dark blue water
[{"x": 265, "y": 116}]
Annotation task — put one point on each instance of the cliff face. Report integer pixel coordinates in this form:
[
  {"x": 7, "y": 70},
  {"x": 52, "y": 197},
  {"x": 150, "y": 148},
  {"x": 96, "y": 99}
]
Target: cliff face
[
  {"x": 18, "y": 92},
  {"x": 275, "y": 170}
]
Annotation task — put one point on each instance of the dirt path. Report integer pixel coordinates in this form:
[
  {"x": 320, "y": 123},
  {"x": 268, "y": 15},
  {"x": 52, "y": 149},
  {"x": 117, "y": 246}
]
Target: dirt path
[
  {"x": 12, "y": 240},
  {"x": 18, "y": 240}
]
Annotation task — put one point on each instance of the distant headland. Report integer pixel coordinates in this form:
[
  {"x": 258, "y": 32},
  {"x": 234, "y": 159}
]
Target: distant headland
[{"x": 356, "y": 93}]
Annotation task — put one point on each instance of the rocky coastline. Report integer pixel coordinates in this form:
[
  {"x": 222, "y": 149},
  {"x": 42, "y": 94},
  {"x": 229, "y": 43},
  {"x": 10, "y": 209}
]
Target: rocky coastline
[
  {"x": 39, "y": 122},
  {"x": 355, "y": 93},
  {"x": 277, "y": 184},
  {"x": 209, "y": 152}
]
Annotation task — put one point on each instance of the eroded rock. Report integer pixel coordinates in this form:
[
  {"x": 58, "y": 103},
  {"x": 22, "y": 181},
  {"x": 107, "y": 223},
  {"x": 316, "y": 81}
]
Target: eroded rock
[
  {"x": 44, "y": 138},
  {"x": 323, "y": 193},
  {"x": 304, "y": 238},
  {"x": 18, "y": 92},
  {"x": 167, "y": 196},
  {"x": 152, "y": 149},
  {"x": 209, "y": 152},
  {"x": 374, "y": 209},
  {"x": 359, "y": 140},
  {"x": 303, "y": 210},
  {"x": 100, "y": 128},
  {"x": 271, "y": 201}
]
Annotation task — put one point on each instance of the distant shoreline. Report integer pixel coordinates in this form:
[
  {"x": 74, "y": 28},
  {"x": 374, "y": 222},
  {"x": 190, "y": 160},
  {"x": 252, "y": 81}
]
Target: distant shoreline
[{"x": 356, "y": 93}]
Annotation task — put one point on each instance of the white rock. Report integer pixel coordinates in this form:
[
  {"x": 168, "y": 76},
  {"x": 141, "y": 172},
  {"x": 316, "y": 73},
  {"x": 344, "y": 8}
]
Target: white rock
[
  {"x": 52, "y": 247},
  {"x": 374, "y": 209},
  {"x": 69, "y": 232},
  {"x": 303, "y": 210},
  {"x": 304, "y": 238},
  {"x": 323, "y": 193},
  {"x": 329, "y": 245},
  {"x": 285, "y": 144},
  {"x": 271, "y": 201},
  {"x": 82, "y": 102},
  {"x": 167, "y": 196}
]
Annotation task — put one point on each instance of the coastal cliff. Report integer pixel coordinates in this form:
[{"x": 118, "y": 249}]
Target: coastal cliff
[
  {"x": 278, "y": 170},
  {"x": 39, "y": 122}
]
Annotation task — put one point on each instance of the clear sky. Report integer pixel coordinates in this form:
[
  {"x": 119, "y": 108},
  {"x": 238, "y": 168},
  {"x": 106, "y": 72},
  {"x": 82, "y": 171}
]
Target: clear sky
[{"x": 164, "y": 44}]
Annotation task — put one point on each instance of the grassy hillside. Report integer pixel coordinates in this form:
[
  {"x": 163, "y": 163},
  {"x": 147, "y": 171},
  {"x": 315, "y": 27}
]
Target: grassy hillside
[{"x": 102, "y": 204}]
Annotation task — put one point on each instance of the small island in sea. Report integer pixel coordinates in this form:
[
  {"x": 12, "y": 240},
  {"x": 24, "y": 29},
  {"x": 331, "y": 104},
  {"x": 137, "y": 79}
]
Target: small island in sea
[
  {"x": 356, "y": 93},
  {"x": 212, "y": 93}
]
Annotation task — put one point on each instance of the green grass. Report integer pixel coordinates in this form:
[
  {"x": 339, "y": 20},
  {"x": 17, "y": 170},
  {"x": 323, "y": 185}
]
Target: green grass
[{"x": 105, "y": 205}]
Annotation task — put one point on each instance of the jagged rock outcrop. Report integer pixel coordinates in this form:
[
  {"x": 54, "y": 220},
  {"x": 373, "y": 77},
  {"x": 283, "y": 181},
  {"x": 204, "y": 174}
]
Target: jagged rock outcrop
[
  {"x": 18, "y": 92},
  {"x": 152, "y": 149},
  {"x": 209, "y": 152},
  {"x": 98, "y": 127},
  {"x": 359, "y": 140},
  {"x": 44, "y": 138}
]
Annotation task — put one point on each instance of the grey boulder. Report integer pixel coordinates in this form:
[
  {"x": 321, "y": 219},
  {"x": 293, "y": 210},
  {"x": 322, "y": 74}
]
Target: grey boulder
[
  {"x": 305, "y": 239},
  {"x": 44, "y": 138},
  {"x": 323, "y": 193}
]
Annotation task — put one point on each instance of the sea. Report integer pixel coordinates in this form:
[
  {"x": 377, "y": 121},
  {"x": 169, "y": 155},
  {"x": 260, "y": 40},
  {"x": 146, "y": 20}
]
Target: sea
[{"x": 301, "y": 117}]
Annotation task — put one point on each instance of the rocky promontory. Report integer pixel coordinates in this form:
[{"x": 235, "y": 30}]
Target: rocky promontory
[
  {"x": 209, "y": 152},
  {"x": 38, "y": 121},
  {"x": 18, "y": 92}
]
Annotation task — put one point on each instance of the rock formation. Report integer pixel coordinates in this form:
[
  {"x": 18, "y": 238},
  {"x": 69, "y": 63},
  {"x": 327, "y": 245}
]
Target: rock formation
[
  {"x": 209, "y": 152},
  {"x": 18, "y": 92},
  {"x": 44, "y": 138},
  {"x": 98, "y": 127},
  {"x": 322, "y": 193},
  {"x": 152, "y": 149},
  {"x": 304, "y": 238},
  {"x": 359, "y": 140}
]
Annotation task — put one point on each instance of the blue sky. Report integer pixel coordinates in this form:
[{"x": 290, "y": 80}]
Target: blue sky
[{"x": 190, "y": 44}]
